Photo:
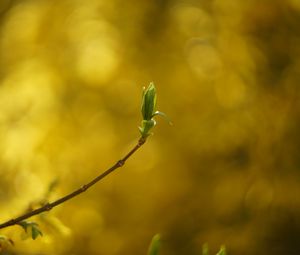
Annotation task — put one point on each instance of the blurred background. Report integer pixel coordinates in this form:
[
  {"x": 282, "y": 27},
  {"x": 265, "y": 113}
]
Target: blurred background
[{"x": 227, "y": 172}]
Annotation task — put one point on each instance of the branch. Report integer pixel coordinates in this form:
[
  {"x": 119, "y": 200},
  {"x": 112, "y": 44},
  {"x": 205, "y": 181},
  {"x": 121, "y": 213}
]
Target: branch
[{"x": 49, "y": 206}]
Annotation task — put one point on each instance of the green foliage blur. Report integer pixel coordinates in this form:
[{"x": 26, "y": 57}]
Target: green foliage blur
[
  {"x": 228, "y": 172},
  {"x": 154, "y": 245}
]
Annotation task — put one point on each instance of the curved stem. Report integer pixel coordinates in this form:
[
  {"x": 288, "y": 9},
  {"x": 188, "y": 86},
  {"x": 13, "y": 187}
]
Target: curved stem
[{"x": 49, "y": 206}]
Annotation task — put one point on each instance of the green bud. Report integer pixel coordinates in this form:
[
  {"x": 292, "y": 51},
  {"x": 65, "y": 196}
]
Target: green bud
[
  {"x": 149, "y": 102},
  {"x": 148, "y": 110}
]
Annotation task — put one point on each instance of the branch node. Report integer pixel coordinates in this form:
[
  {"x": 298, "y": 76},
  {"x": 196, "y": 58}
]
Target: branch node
[
  {"x": 120, "y": 163},
  {"x": 48, "y": 207},
  {"x": 84, "y": 187}
]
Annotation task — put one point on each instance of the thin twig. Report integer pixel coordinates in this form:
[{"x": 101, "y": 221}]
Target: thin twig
[{"x": 49, "y": 206}]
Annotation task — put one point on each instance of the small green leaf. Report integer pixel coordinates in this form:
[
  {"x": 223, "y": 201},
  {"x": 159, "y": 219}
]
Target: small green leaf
[
  {"x": 35, "y": 232},
  {"x": 222, "y": 250},
  {"x": 24, "y": 225},
  {"x": 155, "y": 245},
  {"x": 31, "y": 228}
]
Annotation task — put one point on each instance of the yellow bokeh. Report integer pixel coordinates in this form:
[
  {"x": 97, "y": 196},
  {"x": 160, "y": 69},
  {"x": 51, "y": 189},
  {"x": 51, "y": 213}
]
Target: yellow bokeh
[{"x": 227, "y": 171}]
